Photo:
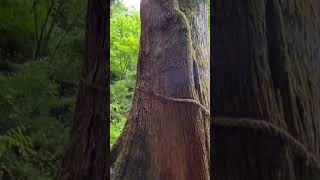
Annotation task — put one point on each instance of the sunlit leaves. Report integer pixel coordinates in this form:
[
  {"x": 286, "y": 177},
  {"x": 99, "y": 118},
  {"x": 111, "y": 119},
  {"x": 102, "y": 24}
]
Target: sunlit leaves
[
  {"x": 124, "y": 41},
  {"x": 124, "y": 48}
]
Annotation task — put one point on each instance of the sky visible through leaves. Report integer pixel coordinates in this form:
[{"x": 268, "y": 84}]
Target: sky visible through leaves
[{"x": 133, "y": 3}]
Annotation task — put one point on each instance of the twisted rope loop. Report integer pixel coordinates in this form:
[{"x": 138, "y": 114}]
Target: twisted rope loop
[
  {"x": 247, "y": 123},
  {"x": 262, "y": 126},
  {"x": 272, "y": 130},
  {"x": 179, "y": 100}
]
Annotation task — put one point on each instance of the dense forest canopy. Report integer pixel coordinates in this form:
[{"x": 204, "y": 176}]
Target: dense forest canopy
[
  {"x": 41, "y": 49},
  {"x": 41, "y": 46}
]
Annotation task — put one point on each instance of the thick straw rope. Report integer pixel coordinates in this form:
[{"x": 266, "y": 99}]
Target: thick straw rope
[
  {"x": 258, "y": 126},
  {"x": 247, "y": 123}
]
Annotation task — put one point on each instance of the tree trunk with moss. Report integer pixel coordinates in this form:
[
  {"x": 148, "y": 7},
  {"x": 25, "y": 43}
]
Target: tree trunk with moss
[
  {"x": 166, "y": 136},
  {"x": 86, "y": 155},
  {"x": 266, "y": 66}
]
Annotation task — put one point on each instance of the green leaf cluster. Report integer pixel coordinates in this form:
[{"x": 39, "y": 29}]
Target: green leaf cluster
[
  {"x": 37, "y": 95},
  {"x": 124, "y": 50},
  {"x": 34, "y": 122}
]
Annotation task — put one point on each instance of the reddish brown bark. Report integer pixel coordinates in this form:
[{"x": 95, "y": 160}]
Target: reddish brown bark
[
  {"x": 266, "y": 66},
  {"x": 86, "y": 155},
  {"x": 166, "y": 136}
]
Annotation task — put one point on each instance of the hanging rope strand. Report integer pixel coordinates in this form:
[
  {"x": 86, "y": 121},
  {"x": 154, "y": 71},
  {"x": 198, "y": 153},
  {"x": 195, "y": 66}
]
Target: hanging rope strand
[
  {"x": 269, "y": 129},
  {"x": 192, "y": 101},
  {"x": 255, "y": 125},
  {"x": 247, "y": 123},
  {"x": 173, "y": 99}
]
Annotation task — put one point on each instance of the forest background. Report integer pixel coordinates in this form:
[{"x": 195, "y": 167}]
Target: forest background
[{"x": 41, "y": 47}]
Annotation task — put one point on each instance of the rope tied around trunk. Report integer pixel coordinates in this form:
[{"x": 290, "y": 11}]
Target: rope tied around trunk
[
  {"x": 229, "y": 122},
  {"x": 181, "y": 100},
  {"x": 192, "y": 101},
  {"x": 256, "y": 125},
  {"x": 270, "y": 129}
]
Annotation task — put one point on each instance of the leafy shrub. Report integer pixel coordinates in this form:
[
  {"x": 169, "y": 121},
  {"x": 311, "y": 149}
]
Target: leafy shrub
[
  {"x": 32, "y": 137},
  {"x": 37, "y": 96}
]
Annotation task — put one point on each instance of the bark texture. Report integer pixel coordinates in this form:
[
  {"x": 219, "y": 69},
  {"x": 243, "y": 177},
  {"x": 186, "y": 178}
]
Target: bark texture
[
  {"x": 266, "y": 65},
  {"x": 86, "y": 155},
  {"x": 167, "y": 138}
]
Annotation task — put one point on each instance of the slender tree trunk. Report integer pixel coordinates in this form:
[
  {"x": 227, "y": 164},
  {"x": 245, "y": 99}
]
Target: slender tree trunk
[
  {"x": 86, "y": 155},
  {"x": 41, "y": 42},
  {"x": 266, "y": 66},
  {"x": 167, "y": 133}
]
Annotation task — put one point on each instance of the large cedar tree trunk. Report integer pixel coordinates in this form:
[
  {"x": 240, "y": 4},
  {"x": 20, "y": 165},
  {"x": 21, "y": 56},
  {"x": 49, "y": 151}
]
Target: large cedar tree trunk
[
  {"x": 167, "y": 133},
  {"x": 266, "y": 66},
  {"x": 86, "y": 155}
]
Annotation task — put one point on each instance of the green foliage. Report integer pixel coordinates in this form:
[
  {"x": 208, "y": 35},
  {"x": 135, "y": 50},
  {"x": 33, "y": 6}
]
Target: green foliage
[
  {"x": 37, "y": 96},
  {"x": 124, "y": 48},
  {"x": 115, "y": 130},
  {"x": 26, "y": 27},
  {"x": 31, "y": 134},
  {"x": 121, "y": 98},
  {"x": 16, "y": 28},
  {"x": 124, "y": 41}
]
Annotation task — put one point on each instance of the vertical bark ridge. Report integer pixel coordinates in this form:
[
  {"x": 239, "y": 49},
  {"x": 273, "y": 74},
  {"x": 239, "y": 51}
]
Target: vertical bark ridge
[
  {"x": 174, "y": 135},
  {"x": 86, "y": 154},
  {"x": 272, "y": 72}
]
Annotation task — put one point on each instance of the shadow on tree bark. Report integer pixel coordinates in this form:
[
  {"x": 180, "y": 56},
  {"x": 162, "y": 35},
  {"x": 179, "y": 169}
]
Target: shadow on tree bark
[
  {"x": 266, "y": 66},
  {"x": 86, "y": 154}
]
